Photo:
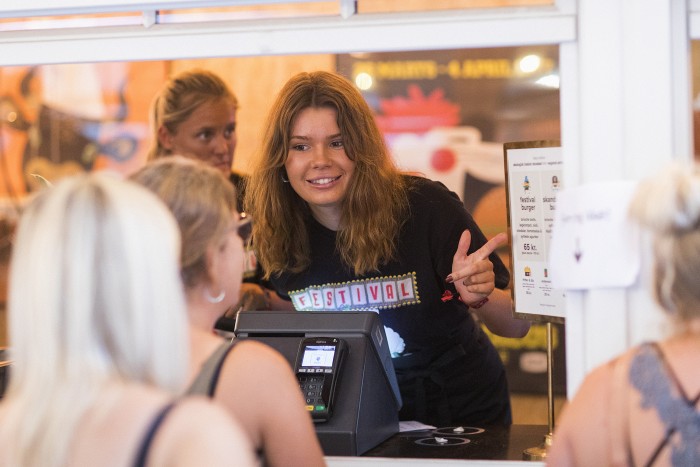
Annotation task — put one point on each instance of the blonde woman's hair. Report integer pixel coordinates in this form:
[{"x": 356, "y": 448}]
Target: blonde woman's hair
[
  {"x": 668, "y": 204},
  {"x": 376, "y": 203},
  {"x": 180, "y": 96},
  {"x": 94, "y": 298},
  {"x": 201, "y": 199}
]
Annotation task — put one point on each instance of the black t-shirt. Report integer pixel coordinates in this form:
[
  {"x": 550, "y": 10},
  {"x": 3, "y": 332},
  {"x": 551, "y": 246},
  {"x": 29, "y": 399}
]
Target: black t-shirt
[{"x": 408, "y": 294}]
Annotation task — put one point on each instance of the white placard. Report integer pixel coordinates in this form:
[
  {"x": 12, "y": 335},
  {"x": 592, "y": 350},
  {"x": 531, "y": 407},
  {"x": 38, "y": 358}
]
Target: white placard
[
  {"x": 594, "y": 243},
  {"x": 533, "y": 181}
]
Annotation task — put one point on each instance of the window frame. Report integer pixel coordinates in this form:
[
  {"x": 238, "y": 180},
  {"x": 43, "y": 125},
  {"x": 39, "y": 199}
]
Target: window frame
[{"x": 496, "y": 27}]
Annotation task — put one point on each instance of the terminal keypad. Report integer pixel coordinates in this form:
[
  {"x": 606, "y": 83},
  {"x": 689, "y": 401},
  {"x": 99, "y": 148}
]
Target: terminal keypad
[{"x": 311, "y": 385}]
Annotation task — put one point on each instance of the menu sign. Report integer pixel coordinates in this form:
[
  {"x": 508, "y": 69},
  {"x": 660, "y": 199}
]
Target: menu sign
[{"x": 533, "y": 178}]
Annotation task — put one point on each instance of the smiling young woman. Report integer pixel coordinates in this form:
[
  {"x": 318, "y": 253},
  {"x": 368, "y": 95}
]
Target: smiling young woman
[
  {"x": 318, "y": 169},
  {"x": 339, "y": 227}
]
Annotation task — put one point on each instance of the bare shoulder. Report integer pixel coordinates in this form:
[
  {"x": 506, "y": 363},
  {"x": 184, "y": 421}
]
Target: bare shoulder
[
  {"x": 591, "y": 399},
  {"x": 200, "y": 409},
  {"x": 254, "y": 371},
  {"x": 200, "y": 432},
  {"x": 586, "y": 406},
  {"x": 260, "y": 388},
  {"x": 586, "y": 420}
]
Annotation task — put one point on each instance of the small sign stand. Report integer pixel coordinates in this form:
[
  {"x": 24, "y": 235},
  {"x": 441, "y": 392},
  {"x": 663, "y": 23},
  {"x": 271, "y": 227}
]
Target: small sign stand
[{"x": 533, "y": 177}]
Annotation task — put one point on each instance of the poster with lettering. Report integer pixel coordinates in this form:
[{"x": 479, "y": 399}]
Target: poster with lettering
[{"x": 533, "y": 178}]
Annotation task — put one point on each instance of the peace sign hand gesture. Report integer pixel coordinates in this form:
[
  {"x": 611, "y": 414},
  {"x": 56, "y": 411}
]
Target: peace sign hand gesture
[{"x": 473, "y": 274}]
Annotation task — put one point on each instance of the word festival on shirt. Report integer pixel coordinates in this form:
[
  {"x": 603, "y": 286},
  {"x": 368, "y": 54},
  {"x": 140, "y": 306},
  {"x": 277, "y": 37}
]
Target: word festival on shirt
[{"x": 363, "y": 294}]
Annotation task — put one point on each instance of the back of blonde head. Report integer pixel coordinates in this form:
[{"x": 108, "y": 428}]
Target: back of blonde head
[
  {"x": 201, "y": 199},
  {"x": 95, "y": 298},
  {"x": 669, "y": 206}
]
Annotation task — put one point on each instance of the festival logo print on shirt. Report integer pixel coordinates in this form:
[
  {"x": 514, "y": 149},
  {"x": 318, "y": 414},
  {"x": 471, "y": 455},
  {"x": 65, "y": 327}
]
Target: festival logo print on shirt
[{"x": 363, "y": 294}]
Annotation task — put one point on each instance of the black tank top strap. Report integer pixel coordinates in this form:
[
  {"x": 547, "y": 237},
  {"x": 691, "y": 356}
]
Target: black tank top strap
[
  {"x": 691, "y": 402},
  {"x": 670, "y": 372},
  {"x": 208, "y": 377},
  {"x": 142, "y": 454},
  {"x": 217, "y": 369}
]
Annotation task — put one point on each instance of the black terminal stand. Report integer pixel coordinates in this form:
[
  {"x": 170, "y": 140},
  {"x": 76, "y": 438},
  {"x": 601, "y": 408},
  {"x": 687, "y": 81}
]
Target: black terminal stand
[{"x": 367, "y": 399}]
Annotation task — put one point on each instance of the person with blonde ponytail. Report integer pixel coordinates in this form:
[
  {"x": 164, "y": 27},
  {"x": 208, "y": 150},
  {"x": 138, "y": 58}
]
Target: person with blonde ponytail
[
  {"x": 195, "y": 116},
  {"x": 98, "y": 335}
]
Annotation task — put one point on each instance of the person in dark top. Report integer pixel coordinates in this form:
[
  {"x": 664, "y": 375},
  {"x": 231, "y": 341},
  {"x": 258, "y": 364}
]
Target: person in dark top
[
  {"x": 339, "y": 227},
  {"x": 641, "y": 408},
  {"x": 99, "y": 337}
]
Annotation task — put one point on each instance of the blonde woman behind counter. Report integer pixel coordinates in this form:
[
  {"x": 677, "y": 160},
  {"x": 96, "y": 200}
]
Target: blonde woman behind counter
[
  {"x": 195, "y": 116},
  {"x": 99, "y": 338},
  {"x": 642, "y": 408}
]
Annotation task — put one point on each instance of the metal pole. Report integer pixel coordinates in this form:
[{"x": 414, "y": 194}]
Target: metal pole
[
  {"x": 550, "y": 379},
  {"x": 538, "y": 453}
]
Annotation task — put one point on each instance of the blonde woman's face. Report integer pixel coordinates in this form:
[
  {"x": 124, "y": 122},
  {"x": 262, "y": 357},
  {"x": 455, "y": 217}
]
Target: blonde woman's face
[
  {"x": 208, "y": 134},
  {"x": 318, "y": 168}
]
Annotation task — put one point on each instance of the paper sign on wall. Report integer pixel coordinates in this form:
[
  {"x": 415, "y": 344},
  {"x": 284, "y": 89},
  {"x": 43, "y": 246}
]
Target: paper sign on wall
[{"x": 593, "y": 242}]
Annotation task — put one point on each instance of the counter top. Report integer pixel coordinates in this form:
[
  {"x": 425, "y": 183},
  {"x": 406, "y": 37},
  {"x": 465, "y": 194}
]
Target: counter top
[{"x": 495, "y": 446}]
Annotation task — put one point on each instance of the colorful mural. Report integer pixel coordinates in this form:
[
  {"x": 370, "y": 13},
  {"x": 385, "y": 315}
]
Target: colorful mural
[{"x": 61, "y": 119}]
